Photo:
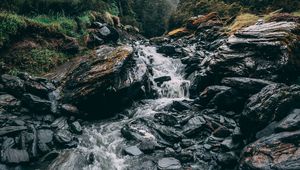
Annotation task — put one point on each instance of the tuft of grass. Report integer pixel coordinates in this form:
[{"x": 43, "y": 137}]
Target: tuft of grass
[
  {"x": 64, "y": 24},
  {"x": 241, "y": 21},
  {"x": 45, "y": 58},
  {"x": 37, "y": 61}
]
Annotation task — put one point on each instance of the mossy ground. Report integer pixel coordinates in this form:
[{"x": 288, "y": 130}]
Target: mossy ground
[{"x": 43, "y": 31}]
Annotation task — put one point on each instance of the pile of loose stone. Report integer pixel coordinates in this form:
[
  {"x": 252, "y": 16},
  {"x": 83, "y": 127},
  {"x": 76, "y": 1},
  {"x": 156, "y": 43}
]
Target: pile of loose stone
[{"x": 34, "y": 124}]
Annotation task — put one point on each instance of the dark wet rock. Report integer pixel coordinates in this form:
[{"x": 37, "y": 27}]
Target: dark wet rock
[
  {"x": 166, "y": 119},
  {"x": 69, "y": 160},
  {"x": 278, "y": 151},
  {"x": 187, "y": 143},
  {"x": 227, "y": 160},
  {"x": 265, "y": 51},
  {"x": 69, "y": 109},
  {"x": 246, "y": 85},
  {"x": 169, "y": 164},
  {"x": 94, "y": 41},
  {"x": 60, "y": 123},
  {"x": 36, "y": 103},
  {"x": 222, "y": 132},
  {"x": 222, "y": 98},
  {"x": 38, "y": 86},
  {"x": 13, "y": 84},
  {"x": 8, "y": 101},
  {"x": 3, "y": 167},
  {"x": 161, "y": 80},
  {"x": 194, "y": 125},
  {"x": 168, "y": 133},
  {"x": 63, "y": 137},
  {"x": 267, "y": 131},
  {"x": 45, "y": 136},
  {"x": 108, "y": 33},
  {"x": 185, "y": 156},
  {"x": 228, "y": 144},
  {"x": 18, "y": 122},
  {"x": 33, "y": 149},
  {"x": 49, "y": 118},
  {"x": 50, "y": 156},
  {"x": 167, "y": 49},
  {"x": 180, "y": 106},
  {"x": 148, "y": 146},
  {"x": 147, "y": 165},
  {"x": 14, "y": 156},
  {"x": 8, "y": 143},
  {"x": 11, "y": 129},
  {"x": 107, "y": 81},
  {"x": 137, "y": 130},
  {"x": 290, "y": 123},
  {"x": 272, "y": 103},
  {"x": 133, "y": 151},
  {"x": 76, "y": 128}
]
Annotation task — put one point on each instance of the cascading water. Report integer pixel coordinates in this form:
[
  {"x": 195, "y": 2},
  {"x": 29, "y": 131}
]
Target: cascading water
[{"x": 104, "y": 139}]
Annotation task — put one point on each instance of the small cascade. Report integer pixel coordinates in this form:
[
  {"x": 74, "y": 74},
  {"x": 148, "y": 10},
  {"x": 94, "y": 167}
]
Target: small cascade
[{"x": 104, "y": 140}]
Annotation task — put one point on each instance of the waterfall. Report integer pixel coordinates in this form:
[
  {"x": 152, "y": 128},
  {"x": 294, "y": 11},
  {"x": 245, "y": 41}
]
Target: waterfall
[{"x": 104, "y": 139}]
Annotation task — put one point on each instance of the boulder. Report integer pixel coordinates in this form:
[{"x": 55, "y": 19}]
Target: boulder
[
  {"x": 266, "y": 51},
  {"x": 290, "y": 123},
  {"x": 11, "y": 129},
  {"x": 38, "y": 104},
  {"x": 69, "y": 160},
  {"x": 133, "y": 151},
  {"x": 63, "y": 137},
  {"x": 76, "y": 127},
  {"x": 108, "y": 82},
  {"x": 13, "y": 84},
  {"x": 194, "y": 125},
  {"x": 272, "y": 103},
  {"x": 8, "y": 101},
  {"x": 278, "y": 151},
  {"x": 169, "y": 164},
  {"x": 221, "y": 97},
  {"x": 14, "y": 156},
  {"x": 161, "y": 80},
  {"x": 166, "y": 119},
  {"x": 37, "y": 86},
  {"x": 69, "y": 109},
  {"x": 245, "y": 85}
]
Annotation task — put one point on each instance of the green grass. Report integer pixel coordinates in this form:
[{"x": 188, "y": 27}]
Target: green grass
[
  {"x": 10, "y": 24},
  {"x": 64, "y": 24},
  {"x": 37, "y": 61}
]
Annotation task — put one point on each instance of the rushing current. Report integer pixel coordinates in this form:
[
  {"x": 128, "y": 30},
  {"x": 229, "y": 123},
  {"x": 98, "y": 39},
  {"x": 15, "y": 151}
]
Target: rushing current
[{"x": 104, "y": 139}]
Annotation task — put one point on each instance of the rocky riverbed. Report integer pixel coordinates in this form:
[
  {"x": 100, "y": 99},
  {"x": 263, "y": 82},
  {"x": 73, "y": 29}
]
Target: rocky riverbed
[{"x": 194, "y": 99}]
